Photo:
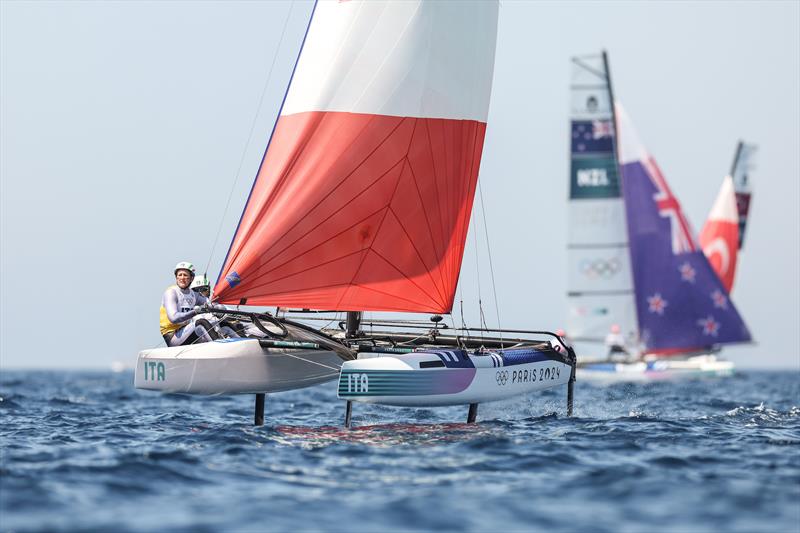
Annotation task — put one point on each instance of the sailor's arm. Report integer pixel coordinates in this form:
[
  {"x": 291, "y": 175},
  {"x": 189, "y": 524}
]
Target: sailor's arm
[
  {"x": 202, "y": 300},
  {"x": 171, "y": 306}
]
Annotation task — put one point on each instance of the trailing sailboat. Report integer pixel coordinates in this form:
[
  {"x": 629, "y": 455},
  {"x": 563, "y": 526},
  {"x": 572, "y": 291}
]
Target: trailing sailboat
[
  {"x": 723, "y": 234},
  {"x": 362, "y": 203},
  {"x": 635, "y": 261}
]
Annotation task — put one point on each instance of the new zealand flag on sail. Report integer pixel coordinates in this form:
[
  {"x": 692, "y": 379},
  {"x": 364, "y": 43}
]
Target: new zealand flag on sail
[
  {"x": 592, "y": 136},
  {"x": 680, "y": 301},
  {"x": 593, "y": 167}
]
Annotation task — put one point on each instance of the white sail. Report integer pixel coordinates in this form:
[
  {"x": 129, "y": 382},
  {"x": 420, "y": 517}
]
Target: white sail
[{"x": 600, "y": 285}]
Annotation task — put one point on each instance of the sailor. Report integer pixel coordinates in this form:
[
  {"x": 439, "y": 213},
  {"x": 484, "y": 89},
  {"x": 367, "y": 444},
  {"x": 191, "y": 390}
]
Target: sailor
[
  {"x": 615, "y": 343},
  {"x": 557, "y": 346},
  {"x": 201, "y": 285},
  {"x": 229, "y": 328},
  {"x": 179, "y": 309}
]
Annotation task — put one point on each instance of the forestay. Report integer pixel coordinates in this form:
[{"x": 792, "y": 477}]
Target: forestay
[{"x": 363, "y": 198}]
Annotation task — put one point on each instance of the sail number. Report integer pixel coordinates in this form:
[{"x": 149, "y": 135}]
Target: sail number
[
  {"x": 357, "y": 382},
  {"x": 154, "y": 371},
  {"x": 593, "y": 177}
]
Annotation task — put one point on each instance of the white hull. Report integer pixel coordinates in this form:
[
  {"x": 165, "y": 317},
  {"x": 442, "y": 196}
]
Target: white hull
[
  {"x": 233, "y": 366},
  {"x": 411, "y": 380},
  {"x": 698, "y": 366}
]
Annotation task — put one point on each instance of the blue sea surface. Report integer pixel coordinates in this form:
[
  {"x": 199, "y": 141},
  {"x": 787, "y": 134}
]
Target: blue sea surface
[{"x": 87, "y": 451}]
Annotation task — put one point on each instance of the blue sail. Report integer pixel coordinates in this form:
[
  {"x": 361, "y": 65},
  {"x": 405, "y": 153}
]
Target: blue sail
[{"x": 680, "y": 302}]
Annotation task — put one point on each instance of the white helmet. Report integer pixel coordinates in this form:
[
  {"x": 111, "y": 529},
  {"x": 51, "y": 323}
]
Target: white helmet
[
  {"x": 184, "y": 265},
  {"x": 200, "y": 281}
]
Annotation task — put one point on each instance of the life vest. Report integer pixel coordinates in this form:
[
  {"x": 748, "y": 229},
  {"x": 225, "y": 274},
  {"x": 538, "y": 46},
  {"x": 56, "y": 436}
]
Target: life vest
[{"x": 186, "y": 302}]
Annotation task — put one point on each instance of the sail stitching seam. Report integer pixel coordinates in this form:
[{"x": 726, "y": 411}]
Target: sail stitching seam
[
  {"x": 447, "y": 159},
  {"x": 468, "y": 212},
  {"x": 311, "y": 268},
  {"x": 296, "y": 256},
  {"x": 380, "y": 225},
  {"x": 230, "y": 260},
  {"x": 430, "y": 232},
  {"x": 266, "y": 204},
  {"x": 438, "y": 205},
  {"x": 373, "y": 289},
  {"x": 316, "y": 266},
  {"x": 438, "y": 299},
  {"x": 274, "y": 193}
]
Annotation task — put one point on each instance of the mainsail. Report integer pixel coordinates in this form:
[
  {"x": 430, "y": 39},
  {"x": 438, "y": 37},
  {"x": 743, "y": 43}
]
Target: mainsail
[
  {"x": 681, "y": 303},
  {"x": 720, "y": 236},
  {"x": 600, "y": 286},
  {"x": 364, "y": 195},
  {"x": 723, "y": 233}
]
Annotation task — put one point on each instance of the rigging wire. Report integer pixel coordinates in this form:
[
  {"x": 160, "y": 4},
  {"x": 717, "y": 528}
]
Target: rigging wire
[
  {"x": 250, "y": 135},
  {"x": 461, "y": 306},
  {"x": 463, "y": 328},
  {"x": 463, "y": 322},
  {"x": 411, "y": 341},
  {"x": 478, "y": 270},
  {"x": 310, "y": 361},
  {"x": 491, "y": 267}
]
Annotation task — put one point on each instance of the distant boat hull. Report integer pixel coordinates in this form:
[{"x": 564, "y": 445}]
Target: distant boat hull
[
  {"x": 233, "y": 366},
  {"x": 455, "y": 377},
  {"x": 697, "y": 366}
]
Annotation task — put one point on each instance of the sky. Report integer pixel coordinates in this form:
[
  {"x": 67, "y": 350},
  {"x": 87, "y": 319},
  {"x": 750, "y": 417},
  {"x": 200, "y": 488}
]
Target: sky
[{"x": 126, "y": 126}]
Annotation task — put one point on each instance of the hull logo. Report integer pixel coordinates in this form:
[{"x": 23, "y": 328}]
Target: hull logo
[{"x": 501, "y": 377}]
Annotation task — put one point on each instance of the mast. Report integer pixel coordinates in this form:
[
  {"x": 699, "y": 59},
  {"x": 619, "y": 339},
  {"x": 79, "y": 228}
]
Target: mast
[
  {"x": 353, "y": 324},
  {"x": 613, "y": 115},
  {"x": 615, "y": 122},
  {"x": 736, "y": 158},
  {"x": 619, "y": 171}
]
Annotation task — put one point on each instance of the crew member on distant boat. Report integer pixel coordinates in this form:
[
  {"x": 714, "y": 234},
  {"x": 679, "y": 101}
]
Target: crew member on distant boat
[
  {"x": 615, "y": 343},
  {"x": 557, "y": 346},
  {"x": 180, "y": 306}
]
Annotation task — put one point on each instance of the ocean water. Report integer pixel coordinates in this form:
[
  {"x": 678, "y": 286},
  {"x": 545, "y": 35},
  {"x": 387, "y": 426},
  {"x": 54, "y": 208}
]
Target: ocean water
[{"x": 86, "y": 451}]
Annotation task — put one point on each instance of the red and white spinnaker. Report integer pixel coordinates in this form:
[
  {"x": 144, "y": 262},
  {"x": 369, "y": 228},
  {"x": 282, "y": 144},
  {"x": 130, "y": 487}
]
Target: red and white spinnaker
[{"x": 364, "y": 195}]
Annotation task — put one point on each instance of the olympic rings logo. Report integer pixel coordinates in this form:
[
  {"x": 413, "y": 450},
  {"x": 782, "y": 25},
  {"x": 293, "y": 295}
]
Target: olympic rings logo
[
  {"x": 599, "y": 268},
  {"x": 501, "y": 377}
]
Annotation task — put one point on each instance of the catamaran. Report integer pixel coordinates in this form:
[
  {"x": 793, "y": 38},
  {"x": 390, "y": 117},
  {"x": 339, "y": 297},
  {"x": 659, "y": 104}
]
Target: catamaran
[
  {"x": 362, "y": 202},
  {"x": 635, "y": 265},
  {"x": 723, "y": 234}
]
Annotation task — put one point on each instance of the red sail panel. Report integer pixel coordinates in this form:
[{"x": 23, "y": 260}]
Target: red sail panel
[
  {"x": 357, "y": 211},
  {"x": 720, "y": 236},
  {"x": 719, "y": 240}
]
